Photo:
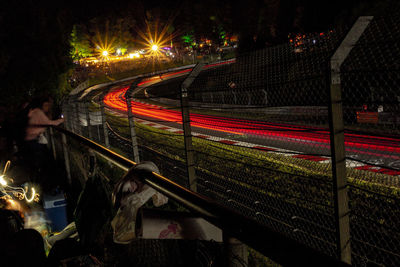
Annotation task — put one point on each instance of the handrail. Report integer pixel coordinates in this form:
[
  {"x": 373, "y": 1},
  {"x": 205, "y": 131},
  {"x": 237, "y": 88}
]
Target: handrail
[{"x": 274, "y": 245}]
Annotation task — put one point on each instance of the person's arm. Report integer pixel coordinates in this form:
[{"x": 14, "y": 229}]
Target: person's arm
[{"x": 44, "y": 120}]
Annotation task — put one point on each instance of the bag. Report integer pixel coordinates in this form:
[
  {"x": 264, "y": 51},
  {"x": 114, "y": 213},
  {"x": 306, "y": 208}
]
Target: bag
[
  {"x": 129, "y": 195},
  {"x": 42, "y": 139}
]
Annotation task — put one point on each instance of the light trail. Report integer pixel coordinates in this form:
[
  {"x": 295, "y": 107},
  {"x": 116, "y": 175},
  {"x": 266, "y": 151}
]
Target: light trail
[
  {"x": 291, "y": 133},
  {"x": 116, "y": 100}
]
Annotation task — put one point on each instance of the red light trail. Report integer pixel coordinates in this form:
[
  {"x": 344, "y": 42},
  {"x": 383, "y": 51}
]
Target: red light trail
[{"x": 116, "y": 100}]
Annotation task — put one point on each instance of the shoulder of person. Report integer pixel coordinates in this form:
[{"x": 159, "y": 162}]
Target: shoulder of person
[{"x": 35, "y": 112}]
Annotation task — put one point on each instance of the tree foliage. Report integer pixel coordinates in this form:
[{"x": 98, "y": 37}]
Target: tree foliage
[{"x": 80, "y": 44}]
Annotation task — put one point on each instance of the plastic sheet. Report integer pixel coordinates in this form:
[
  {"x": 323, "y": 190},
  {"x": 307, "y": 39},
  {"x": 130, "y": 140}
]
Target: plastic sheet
[{"x": 129, "y": 195}]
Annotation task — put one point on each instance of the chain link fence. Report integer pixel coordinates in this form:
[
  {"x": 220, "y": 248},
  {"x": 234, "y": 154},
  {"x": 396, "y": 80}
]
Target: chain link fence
[
  {"x": 257, "y": 136},
  {"x": 260, "y": 127},
  {"x": 371, "y": 104}
]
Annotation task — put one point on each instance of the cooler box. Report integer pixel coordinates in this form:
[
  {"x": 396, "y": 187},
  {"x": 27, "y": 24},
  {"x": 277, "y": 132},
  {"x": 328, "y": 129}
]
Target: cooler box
[{"x": 56, "y": 211}]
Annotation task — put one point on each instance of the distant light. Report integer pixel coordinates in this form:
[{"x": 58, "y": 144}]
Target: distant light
[
  {"x": 136, "y": 55},
  {"x": 2, "y": 181},
  {"x": 314, "y": 41},
  {"x": 118, "y": 51},
  {"x": 105, "y": 53},
  {"x": 154, "y": 47}
]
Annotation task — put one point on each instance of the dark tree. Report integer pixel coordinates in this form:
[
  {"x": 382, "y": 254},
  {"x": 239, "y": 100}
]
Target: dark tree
[{"x": 34, "y": 49}]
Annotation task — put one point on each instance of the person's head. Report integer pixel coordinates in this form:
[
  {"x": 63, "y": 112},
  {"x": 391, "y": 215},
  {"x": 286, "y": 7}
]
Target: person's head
[
  {"x": 42, "y": 103},
  {"x": 46, "y": 106}
]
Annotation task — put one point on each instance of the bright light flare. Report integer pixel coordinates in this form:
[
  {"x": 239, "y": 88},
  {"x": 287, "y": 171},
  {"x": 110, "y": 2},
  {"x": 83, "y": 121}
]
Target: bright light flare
[
  {"x": 32, "y": 196},
  {"x": 9, "y": 191},
  {"x": 154, "y": 38},
  {"x": 134, "y": 55},
  {"x": 2, "y": 181},
  {"x": 154, "y": 47},
  {"x": 104, "y": 45},
  {"x": 13, "y": 205}
]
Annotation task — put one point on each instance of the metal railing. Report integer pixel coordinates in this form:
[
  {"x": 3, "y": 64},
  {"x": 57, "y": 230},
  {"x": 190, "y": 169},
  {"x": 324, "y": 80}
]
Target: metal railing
[
  {"x": 302, "y": 138},
  {"x": 276, "y": 246}
]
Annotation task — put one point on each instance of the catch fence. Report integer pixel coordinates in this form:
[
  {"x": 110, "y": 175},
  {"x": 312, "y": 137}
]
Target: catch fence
[{"x": 302, "y": 137}]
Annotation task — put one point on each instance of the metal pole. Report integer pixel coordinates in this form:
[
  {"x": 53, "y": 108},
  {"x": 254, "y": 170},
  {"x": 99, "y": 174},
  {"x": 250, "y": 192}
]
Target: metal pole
[
  {"x": 131, "y": 120},
  {"x": 98, "y": 124},
  {"x": 236, "y": 252},
  {"x": 64, "y": 114},
  {"x": 68, "y": 116},
  {"x": 53, "y": 146},
  {"x": 103, "y": 122},
  {"x": 77, "y": 120},
  {"x": 70, "y": 111},
  {"x": 66, "y": 157},
  {"x": 88, "y": 120},
  {"x": 186, "y": 125},
  {"x": 336, "y": 124},
  {"x": 98, "y": 132},
  {"x": 277, "y": 246}
]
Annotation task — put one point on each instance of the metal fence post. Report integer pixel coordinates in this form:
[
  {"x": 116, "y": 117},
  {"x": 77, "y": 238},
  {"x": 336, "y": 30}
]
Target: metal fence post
[
  {"x": 68, "y": 116},
  {"x": 64, "y": 114},
  {"x": 236, "y": 252},
  {"x": 104, "y": 123},
  {"x": 186, "y": 125},
  {"x": 70, "y": 111},
  {"x": 77, "y": 119},
  {"x": 66, "y": 157},
  {"x": 338, "y": 152},
  {"x": 88, "y": 120},
  {"x": 53, "y": 146},
  {"x": 131, "y": 120}
]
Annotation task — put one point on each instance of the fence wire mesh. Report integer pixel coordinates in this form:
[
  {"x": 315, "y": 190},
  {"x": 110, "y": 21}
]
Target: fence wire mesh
[
  {"x": 142, "y": 252},
  {"x": 261, "y": 138},
  {"x": 371, "y": 98},
  {"x": 159, "y": 128}
]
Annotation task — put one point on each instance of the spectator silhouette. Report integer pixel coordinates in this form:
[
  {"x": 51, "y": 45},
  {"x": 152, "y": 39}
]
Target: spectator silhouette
[{"x": 36, "y": 153}]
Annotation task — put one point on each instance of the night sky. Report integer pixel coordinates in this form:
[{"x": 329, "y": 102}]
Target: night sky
[{"x": 34, "y": 47}]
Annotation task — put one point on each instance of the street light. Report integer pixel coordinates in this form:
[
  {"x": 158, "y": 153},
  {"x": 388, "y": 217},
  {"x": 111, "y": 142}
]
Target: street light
[
  {"x": 154, "y": 47},
  {"x": 105, "y": 53}
]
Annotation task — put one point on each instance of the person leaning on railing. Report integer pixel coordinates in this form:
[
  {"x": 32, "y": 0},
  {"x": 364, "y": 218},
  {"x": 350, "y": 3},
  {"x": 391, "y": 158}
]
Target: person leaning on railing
[{"x": 36, "y": 153}]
